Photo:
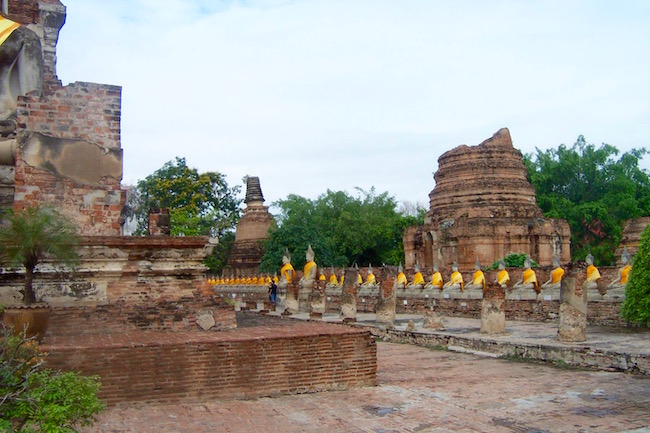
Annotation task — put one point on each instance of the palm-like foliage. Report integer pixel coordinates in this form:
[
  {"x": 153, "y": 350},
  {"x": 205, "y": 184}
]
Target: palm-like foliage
[{"x": 34, "y": 234}]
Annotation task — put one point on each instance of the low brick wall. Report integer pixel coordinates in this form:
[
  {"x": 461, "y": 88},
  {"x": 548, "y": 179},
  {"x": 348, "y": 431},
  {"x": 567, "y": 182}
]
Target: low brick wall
[
  {"x": 192, "y": 366},
  {"x": 155, "y": 315}
]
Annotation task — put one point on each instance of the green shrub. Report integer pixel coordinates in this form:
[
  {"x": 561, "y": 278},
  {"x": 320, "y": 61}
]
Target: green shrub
[
  {"x": 636, "y": 307},
  {"x": 33, "y": 399},
  {"x": 513, "y": 260}
]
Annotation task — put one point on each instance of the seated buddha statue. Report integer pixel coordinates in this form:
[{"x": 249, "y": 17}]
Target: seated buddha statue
[
  {"x": 478, "y": 279},
  {"x": 436, "y": 279},
  {"x": 286, "y": 272},
  {"x": 592, "y": 280},
  {"x": 418, "y": 279},
  {"x": 371, "y": 281},
  {"x": 333, "y": 281},
  {"x": 359, "y": 277},
  {"x": 503, "y": 278},
  {"x": 455, "y": 279},
  {"x": 555, "y": 279},
  {"x": 623, "y": 273},
  {"x": 401, "y": 280},
  {"x": 528, "y": 278},
  {"x": 309, "y": 272}
]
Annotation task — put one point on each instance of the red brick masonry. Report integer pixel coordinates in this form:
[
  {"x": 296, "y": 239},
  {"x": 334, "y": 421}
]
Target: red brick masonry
[{"x": 159, "y": 366}]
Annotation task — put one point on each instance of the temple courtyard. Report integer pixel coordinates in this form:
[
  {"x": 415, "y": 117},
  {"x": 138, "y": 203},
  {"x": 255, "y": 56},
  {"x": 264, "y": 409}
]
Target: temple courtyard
[{"x": 429, "y": 389}]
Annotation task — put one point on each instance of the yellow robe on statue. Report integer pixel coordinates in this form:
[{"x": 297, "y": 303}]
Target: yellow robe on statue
[
  {"x": 479, "y": 278},
  {"x": 592, "y": 274},
  {"x": 371, "y": 279},
  {"x": 401, "y": 279},
  {"x": 556, "y": 275},
  {"x": 7, "y": 27},
  {"x": 333, "y": 280},
  {"x": 530, "y": 277},
  {"x": 418, "y": 279},
  {"x": 503, "y": 277},
  {"x": 285, "y": 272},
  {"x": 457, "y": 278},
  {"x": 625, "y": 274},
  {"x": 436, "y": 280}
]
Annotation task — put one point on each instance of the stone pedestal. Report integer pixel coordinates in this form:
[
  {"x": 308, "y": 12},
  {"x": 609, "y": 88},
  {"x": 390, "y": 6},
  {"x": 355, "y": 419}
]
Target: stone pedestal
[
  {"x": 452, "y": 293},
  {"x": 552, "y": 294},
  {"x": 593, "y": 294},
  {"x": 472, "y": 293},
  {"x": 615, "y": 294},
  {"x": 433, "y": 321},
  {"x": 291, "y": 301},
  {"x": 349, "y": 296},
  {"x": 521, "y": 295},
  {"x": 304, "y": 295},
  {"x": 493, "y": 310},
  {"x": 573, "y": 310}
]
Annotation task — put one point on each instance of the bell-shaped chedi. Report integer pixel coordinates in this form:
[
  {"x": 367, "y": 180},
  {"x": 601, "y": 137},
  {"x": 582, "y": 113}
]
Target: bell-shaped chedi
[
  {"x": 252, "y": 231},
  {"x": 484, "y": 207}
]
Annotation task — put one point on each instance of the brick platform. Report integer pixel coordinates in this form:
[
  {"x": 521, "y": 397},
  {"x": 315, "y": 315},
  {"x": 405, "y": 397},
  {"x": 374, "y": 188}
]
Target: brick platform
[{"x": 268, "y": 356}]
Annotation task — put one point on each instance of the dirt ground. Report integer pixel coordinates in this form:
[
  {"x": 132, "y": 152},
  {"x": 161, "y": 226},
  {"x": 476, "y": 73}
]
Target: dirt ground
[{"x": 421, "y": 390}]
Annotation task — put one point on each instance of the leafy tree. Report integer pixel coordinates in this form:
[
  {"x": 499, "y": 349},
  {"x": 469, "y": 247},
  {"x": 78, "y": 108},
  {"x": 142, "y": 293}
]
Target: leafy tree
[
  {"x": 200, "y": 204},
  {"x": 593, "y": 191},
  {"x": 636, "y": 306},
  {"x": 33, "y": 234},
  {"x": 219, "y": 257},
  {"x": 341, "y": 229}
]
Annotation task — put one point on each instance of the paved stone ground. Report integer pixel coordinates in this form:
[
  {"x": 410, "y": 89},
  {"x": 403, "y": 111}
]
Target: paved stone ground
[{"x": 421, "y": 390}]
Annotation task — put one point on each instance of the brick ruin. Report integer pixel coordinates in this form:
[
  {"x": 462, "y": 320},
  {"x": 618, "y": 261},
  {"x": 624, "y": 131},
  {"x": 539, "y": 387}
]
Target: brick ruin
[
  {"x": 65, "y": 149},
  {"x": 61, "y": 145},
  {"x": 484, "y": 207},
  {"x": 252, "y": 231},
  {"x": 632, "y": 230},
  {"x": 136, "y": 309}
]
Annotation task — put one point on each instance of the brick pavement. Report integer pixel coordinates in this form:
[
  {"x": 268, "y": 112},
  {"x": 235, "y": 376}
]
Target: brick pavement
[{"x": 421, "y": 390}]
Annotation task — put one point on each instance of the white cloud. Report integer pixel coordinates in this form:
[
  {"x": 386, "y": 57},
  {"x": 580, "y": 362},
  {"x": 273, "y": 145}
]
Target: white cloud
[{"x": 311, "y": 95}]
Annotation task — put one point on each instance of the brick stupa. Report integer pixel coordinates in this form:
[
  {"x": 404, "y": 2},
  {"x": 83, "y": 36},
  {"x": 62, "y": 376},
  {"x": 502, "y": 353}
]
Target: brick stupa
[
  {"x": 252, "y": 231},
  {"x": 484, "y": 207}
]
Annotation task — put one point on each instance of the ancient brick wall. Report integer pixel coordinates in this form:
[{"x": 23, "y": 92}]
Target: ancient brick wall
[
  {"x": 120, "y": 269},
  {"x": 159, "y": 315},
  {"x": 191, "y": 366},
  {"x": 81, "y": 111},
  {"x": 69, "y": 154}
]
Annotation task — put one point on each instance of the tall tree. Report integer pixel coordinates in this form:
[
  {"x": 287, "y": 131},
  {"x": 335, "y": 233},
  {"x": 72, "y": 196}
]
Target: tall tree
[
  {"x": 199, "y": 203},
  {"x": 593, "y": 191},
  {"x": 341, "y": 229},
  {"x": 636, "y": 306}
]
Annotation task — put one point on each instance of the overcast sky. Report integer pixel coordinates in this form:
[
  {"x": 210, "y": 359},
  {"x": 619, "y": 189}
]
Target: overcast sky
[{"x": 317, "y": 94}]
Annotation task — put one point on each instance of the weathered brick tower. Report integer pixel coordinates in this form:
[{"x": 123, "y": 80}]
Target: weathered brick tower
[
  {"x": 484, "y": 207},
  {"x": 252, "y": 231}
]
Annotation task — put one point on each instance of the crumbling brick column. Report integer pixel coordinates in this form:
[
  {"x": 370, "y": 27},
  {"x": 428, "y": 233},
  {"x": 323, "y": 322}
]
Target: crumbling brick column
[
  {"x": 159, "y": 222},
  {"x": 317, "y": 300},
  {"x": 493, "y": 310},
  {"x": 573, "y": 308},
  {"x": 349, "y": 296},
  {"x": 385, "y": 309}
]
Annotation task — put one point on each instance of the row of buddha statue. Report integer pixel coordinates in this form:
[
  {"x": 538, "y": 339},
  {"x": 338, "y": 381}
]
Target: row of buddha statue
[{"x": 455, "y": 282}]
